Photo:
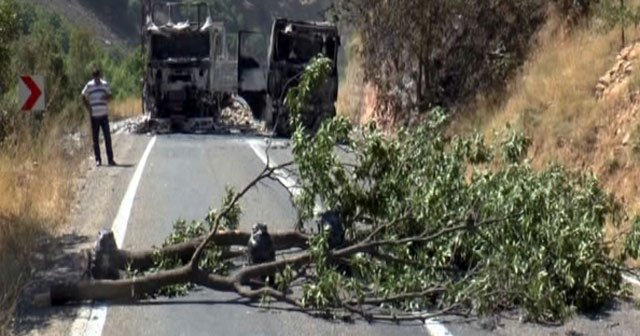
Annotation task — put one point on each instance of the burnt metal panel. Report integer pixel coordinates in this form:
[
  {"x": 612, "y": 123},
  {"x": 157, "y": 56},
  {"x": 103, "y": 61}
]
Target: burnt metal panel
[{"x": 252, "y": 76}]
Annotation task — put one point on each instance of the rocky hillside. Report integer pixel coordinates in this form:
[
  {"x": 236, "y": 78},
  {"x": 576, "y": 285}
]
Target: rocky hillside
[{"x": 78, "y": 15}]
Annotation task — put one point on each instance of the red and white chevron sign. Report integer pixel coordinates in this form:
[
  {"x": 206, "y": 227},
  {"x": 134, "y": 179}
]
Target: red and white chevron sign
[{"x": 31, "y": 91}]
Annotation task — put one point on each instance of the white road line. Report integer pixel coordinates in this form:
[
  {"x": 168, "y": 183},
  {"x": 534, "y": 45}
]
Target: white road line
[
  {"x": 433, "y": 327},
  {"x": 632, "y": 279},
  {"x": 122, "y": 218},
  {"x": 90, "y": 321},
  {"x": 282, "y": 176}
]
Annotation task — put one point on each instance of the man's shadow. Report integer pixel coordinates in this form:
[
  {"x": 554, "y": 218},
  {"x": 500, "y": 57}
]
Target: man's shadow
[{"x": 121, "y": 165}]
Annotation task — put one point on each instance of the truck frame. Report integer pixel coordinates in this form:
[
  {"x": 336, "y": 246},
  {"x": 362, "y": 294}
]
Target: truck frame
[
  {"x": 189, "y": 75},
  {"x": 292, "y": 45}
]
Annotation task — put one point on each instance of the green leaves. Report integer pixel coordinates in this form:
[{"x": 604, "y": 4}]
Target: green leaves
[
  {"x": 9, "y": 32},
  {"x": 536, "y": 238},
  {"x": 615, "y": 12},
  {"x": 514, "y": 146},
  {"x": 313, "y": 76},
  {"x": 125, "y": 71},
  {"x": 211, "y": 260},
  {"x": 632, "y": 243}
]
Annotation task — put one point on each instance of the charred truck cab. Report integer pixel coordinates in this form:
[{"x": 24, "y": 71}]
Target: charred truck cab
[
  {"x": 293, "y": 44},
  {"x": 189, "y": 73}
]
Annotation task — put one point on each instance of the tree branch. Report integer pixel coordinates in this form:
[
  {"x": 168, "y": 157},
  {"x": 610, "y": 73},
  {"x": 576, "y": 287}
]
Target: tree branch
[
  {"x": 266, "y": 172},
  {"x": 143, "y": 260}
]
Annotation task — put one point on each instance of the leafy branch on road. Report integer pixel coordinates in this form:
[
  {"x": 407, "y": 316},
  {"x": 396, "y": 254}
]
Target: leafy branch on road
[{"x": 420, "y": 224}]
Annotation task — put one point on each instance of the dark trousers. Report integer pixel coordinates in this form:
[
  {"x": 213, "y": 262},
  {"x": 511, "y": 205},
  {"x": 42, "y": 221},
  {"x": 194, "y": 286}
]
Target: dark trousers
[{"x": 98, "y": 123}]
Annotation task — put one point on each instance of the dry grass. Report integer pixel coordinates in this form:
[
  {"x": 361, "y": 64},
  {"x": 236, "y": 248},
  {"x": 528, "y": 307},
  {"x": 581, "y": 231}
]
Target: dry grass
[
  {"x": 552, "y": 99},
  {"x": 350, "y": 96},
  {"x": 36, "y": 179},
  {"x": 553, "y": 102},
  {"x": 125, "y": 108},
  {"x": 357, "y": 99}
]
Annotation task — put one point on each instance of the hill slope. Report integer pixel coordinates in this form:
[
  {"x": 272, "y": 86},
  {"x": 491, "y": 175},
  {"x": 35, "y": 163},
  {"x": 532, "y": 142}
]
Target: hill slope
[
  {"x": 78, "y": 15},
  {"x": 110, "y": 28},
  {"x": 577, "y": 98}
]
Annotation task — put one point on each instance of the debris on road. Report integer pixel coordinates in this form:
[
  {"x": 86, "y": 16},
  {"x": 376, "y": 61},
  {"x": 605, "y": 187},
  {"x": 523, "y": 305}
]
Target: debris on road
[
  {"x": 236, "y": 118},
  {"x": 139, "y": 125},
  {"x": 239, "y": 118}
]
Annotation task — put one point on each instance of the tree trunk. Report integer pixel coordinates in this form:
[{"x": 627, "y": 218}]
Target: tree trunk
[
  {"x": 130, "y": 289},
  {"x": 143, "y": 260}
]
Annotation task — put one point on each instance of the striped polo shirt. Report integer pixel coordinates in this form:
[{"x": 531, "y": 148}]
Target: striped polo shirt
[{"x": 97, "y": 94}]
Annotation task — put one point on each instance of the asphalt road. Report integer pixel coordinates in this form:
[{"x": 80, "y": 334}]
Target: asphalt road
[{"x": 184, "y": 177}]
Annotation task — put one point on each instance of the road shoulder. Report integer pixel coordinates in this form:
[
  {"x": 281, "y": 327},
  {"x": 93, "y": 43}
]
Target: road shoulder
[{"x": 61, "y": 257}]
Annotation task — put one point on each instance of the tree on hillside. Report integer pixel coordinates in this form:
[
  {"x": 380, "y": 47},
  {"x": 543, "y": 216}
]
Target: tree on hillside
[
  {"x": 83, "y": 56},
  {"x": 41, "y": 51},
  {"x": 444, "y": 51}
]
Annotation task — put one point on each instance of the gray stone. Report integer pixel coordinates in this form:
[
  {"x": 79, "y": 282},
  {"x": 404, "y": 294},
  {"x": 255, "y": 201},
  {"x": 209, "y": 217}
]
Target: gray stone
[{"x": 101, "y": 265}]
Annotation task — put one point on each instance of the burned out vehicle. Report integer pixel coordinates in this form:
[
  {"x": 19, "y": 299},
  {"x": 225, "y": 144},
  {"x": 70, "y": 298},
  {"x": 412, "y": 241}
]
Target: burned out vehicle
[
  {"x": 189, "y": 74},
  {"x": 292, "y": 45}
]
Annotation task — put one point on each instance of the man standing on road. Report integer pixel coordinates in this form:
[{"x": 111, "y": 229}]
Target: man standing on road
[{"x": 96, "y": 96}]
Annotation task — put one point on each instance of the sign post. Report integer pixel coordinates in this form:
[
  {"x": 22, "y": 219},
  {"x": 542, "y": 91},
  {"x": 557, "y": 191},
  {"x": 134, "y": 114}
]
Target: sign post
[{"x": 32, "y": 93}]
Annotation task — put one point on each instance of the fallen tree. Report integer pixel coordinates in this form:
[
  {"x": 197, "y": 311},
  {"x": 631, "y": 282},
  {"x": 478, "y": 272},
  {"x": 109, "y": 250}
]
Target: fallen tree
[
  {"x": 420, "y": 224},
  {"x": 143, "y": 260}
]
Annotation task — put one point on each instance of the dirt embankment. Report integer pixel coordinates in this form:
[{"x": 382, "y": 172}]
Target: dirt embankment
[{"x": 577, "y": 98}]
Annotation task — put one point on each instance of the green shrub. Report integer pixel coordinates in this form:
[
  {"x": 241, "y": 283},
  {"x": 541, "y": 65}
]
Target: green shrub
[
  {"x": 534, "y": 240},
  {"x": 37, "y": 42}
]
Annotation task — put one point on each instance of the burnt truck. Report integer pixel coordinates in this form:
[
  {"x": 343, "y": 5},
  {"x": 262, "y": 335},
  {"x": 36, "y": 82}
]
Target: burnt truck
[
  {"x": 190, "y": 74},
  {"x": 292, "y": 45}
]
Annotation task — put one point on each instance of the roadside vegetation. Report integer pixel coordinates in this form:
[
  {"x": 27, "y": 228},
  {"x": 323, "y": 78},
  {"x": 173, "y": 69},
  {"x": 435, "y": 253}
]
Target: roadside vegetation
[
  {"x": 125, "y": 108},
  {"x": 39, "y": 159},
  {"x": 549, "y": 93},
  {"x": 423, "y": 224},
  {"x": 495, "y": 191},
  {"x": 555, "y": 100}
]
